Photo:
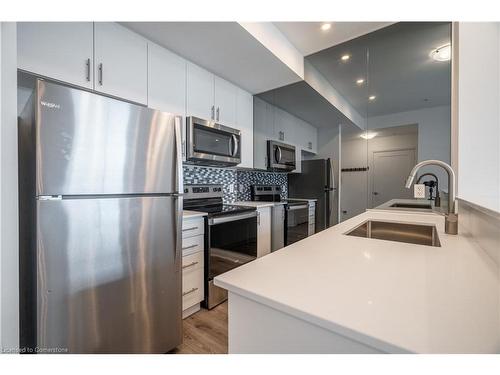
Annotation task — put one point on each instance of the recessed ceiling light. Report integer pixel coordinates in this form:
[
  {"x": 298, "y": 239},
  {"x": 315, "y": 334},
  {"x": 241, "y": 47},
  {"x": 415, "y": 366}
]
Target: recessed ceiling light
[
  {"x": 372, "y": 97},
  {"x": 368, "y": 135},
  {"x": 360, "y": 81},
  {"x": 442, "y": 53},
  {"x": 326, "y": 26},
  {"x": 345, "y": 57}
]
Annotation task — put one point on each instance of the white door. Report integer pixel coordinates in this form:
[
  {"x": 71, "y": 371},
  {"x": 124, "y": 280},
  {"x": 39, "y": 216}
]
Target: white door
[
  {"x": 244, "y": 122},
  {"x": 225, "y": 102},
  {"x": 389, "y": 172},
  {"x": 200, "y": 93},
  {"x": 59, "y": 50},
  {"x": 121, "y": 62},
  {"x": 264, "y": 232},
  {"x": 167, "y": 83}
]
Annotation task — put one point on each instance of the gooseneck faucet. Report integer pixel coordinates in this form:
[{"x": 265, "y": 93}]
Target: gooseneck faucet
[{"x": 451, "y": 219}]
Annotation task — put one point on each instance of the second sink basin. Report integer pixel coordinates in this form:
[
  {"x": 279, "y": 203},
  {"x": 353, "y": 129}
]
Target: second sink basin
[
  {"x": 420, "y": 234},
  {"x": 411, "y": 205}
]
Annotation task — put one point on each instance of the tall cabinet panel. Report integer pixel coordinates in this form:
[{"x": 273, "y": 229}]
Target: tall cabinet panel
[
  {"x": 121, "y": 62},
  {"x": 167, "y": 83},
  {"x": 59, "y": 50},
  {"x": 263, "y": 131},
  {"x": 244, "y": 122},
  {"x": 200, "y": 92}
]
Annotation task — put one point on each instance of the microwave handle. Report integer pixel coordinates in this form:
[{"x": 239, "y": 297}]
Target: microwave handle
[
  {"x": 234, "y": 141},
  {"x": 278, "y": 159}
]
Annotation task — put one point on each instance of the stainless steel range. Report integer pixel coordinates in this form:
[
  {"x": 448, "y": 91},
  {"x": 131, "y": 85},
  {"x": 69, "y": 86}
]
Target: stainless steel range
[{"x": 231, "y": 235}]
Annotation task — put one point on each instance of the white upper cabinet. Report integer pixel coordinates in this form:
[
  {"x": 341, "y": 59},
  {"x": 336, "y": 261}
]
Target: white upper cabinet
[
  {"x": 167, "y": 84},
  {"x": 121, "y": 62},
  {"x": 225, "y": 102},
  {"x": 58, "y": 50},
  {"x": 244, "y": 122},
  {"x": 166, "y": 80},
  {"x": 200, "y": 92}
]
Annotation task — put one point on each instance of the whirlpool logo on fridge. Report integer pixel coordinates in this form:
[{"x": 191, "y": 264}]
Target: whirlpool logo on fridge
[{"x": 50, "y": 105}]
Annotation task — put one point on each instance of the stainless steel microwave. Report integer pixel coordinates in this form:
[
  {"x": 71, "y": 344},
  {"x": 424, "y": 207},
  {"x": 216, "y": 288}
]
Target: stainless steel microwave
[
  {"x": 280, "y": 156},
  {"x": 210, "y": 143}
]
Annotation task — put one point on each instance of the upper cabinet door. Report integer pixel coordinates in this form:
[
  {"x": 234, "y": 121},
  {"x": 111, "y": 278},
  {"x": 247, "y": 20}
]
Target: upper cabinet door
[
  {"x": 59, "y": 50},
  {"x": 200, "y": 93},
  {"x": 244, "y": 122},
  {"x": 121, "y": 62},
  {"x": 166, "y": 80},
  {"x": 225, "y": 102}
]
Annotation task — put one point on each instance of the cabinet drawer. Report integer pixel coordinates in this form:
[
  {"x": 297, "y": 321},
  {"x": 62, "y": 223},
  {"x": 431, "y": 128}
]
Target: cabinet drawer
[
  {"x": 192, "y": 262},
  {"x": 192, "y": 286},
  {"x": 191, "y": 245},
  {"x": 193, "y": 227}
]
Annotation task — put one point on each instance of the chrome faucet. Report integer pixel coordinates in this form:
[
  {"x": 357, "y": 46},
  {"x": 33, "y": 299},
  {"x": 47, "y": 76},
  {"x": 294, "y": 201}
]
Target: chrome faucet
[{"x": 451, "y": 219}]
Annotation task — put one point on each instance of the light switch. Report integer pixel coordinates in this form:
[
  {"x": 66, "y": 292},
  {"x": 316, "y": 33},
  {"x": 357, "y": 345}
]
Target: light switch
[{"x": 419, "y": 191}]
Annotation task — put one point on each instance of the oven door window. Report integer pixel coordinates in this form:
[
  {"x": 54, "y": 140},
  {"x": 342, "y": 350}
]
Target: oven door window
[
  {"x": 212, "y": 141},
  {"x": 297, "y": 224},
  {"x": 232, "y": 244}
]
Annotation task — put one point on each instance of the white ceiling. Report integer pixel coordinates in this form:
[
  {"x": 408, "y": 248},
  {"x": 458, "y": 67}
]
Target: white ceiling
[
  {"x": 224, "y": 48},
  {"x": 308, "y": 37},
  {"x": 396, "y": 65},
  {"x": 350, "y": 133}
]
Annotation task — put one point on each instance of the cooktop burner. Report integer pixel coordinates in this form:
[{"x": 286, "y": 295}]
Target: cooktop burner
[
  {"x": 208, "y": 198},
  {"x": 223, "y": 209}
]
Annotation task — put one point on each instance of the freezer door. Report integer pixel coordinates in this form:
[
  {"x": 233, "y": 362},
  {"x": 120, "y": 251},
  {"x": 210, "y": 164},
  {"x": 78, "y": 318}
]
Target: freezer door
[
  {"x": 91, "y": 144},
  {"x": 108, "y": 275}
]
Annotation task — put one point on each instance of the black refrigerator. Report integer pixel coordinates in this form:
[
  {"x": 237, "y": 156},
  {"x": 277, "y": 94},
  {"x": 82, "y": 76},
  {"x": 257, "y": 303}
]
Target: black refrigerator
[{"x": 317, "y": 181}]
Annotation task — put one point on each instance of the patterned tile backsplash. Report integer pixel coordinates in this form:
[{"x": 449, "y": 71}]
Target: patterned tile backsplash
[{"x": 236, "y": 182}]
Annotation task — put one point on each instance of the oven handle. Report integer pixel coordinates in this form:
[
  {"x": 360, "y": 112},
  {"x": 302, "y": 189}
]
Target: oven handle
[
  {"x": 301, "y": 207},
  {"x": 227, "y": 219}
]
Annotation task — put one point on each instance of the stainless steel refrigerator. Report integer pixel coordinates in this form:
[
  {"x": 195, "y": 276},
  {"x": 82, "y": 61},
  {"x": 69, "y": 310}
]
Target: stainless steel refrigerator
[
  {"x": 100, "y": 220},
  {"x": 317, "y": 181}
]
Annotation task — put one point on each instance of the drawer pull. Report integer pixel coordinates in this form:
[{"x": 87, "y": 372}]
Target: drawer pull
[
  {"x": 190, "y": 265},
  {"x": 188, "y": 229},
  {"x": 189, "y": 291},
  {"x": 189, "y": 247}
]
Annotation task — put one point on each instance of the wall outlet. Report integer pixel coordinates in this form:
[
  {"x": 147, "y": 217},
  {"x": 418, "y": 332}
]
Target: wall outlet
[{"x": 419, "y": 191}]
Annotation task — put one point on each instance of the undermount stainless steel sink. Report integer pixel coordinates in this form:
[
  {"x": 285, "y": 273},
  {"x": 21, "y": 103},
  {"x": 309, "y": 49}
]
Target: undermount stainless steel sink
[
  {"x": 412, "y": 205},
  {"x": 420, "y": 234}
]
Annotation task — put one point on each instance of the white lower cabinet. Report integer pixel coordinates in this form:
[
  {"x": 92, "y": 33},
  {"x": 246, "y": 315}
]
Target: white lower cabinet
[
  {"x": 263, "y": 231},
  {"x": 193, "y": 251}
]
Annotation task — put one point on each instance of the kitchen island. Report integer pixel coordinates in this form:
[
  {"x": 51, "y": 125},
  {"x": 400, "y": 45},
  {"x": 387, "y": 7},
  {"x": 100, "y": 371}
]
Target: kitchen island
[{"x": 334, "y": 293}]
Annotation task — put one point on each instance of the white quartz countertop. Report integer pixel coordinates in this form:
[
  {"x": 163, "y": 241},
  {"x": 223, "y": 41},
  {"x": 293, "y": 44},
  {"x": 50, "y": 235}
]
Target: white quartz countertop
[
  {"x": 393, "y": 296},
  {"x": 187, "y": 214},
  {"x": 258, "y": 204}
]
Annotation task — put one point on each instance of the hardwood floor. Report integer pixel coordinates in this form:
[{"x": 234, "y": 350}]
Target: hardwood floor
[{"x": 205, "y": 332}]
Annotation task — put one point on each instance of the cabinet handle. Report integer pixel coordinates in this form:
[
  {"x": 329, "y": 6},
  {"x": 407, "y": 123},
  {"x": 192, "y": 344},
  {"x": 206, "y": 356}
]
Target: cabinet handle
[
  {"x": 218, "y": 113},
  {"x": 87, "y": 65},
  {"x": 100, "y": 74},
  {"x": 188, "y": 229},
  {"x": 258, "y": 218},
  {"x": 189, "y": 247},
  {"x": 189, "y": 265},
  {"x": 189, "y": 292},
  {"x": 213, "y": 112}
]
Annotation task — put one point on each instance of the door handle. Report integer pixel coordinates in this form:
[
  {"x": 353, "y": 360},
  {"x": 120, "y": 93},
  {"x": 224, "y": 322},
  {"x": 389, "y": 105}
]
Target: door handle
[
  {"x": 100, "y": 73},
  {"x": 87, "y": 65},
  {"x": 235, "y": 142},
  {"x": 375, "y": 193}
]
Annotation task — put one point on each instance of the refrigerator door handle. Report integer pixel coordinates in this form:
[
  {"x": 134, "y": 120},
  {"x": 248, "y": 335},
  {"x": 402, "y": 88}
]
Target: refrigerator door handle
[{"x": 178, "y": 149}]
